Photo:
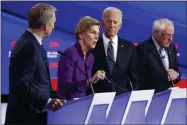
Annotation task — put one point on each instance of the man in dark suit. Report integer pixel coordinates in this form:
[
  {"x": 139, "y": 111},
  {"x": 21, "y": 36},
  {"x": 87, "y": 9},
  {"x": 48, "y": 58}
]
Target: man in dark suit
[
  {"x": 158, "y": 66},
  {"x": 31, "y": 93},
  {"x": 114, "y": 55}
]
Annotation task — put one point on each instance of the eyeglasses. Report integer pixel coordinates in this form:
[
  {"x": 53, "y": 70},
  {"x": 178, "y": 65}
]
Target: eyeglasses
[{"x": 166, "y": 35}]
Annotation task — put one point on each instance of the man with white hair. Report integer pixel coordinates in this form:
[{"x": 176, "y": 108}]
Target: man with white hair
[
  {"x": 158, "y": 67},
  {"x": 114, "y": 55}
]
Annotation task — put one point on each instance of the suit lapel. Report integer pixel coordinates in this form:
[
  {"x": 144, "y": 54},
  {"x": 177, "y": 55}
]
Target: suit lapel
[
  {"x": 121, "y": 56},
  {"x": 119, "y": 51},
  {"x": 170, "y": 52},
  {"x": 43, "y": 53},
  {"x": 44, "y": 56},
  {"x": 102, "y": 54},
  {"x": 101, "y": 47},
  {"x": 152, "y": 49}
]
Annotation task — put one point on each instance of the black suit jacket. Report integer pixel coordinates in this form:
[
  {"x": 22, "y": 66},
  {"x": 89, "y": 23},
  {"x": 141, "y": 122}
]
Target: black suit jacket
[
  {"x": 151, "y": 68},
  {"x": 124, "y": 71},
  {"x": 29, "y": 82}
]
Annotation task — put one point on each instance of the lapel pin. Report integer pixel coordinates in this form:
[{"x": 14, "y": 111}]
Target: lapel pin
[{"x": 122, "y": 46}]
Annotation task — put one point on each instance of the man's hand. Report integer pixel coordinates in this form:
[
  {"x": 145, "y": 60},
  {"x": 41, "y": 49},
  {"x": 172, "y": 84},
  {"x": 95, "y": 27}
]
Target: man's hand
[
  {"x": 55, "y": 104},
  {"x": 172, "y": 74}
]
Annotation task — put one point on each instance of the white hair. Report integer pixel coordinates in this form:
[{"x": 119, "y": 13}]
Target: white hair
[
  {"x": 160, "y": 24},
  {"x": 112, "y": 9}
]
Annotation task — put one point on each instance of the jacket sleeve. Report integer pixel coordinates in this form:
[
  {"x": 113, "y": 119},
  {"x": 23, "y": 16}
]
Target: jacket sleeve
[
  {"x": 141, "y": 67},
  {"x": 66, "y": 67}
]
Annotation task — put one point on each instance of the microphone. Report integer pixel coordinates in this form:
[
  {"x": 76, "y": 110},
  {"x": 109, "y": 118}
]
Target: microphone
[
  {"x": 125, "y": 76},
  {"x": 116, "y": 66},
  {"x": 85, "y": 74},
  {"x": 162, "y": 56},
  {"x": 60, "y": 53}
]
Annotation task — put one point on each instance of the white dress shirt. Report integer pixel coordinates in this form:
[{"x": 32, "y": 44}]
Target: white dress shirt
[
  {"x": 39, "y": 39},
  {"x": 114, "y": 43},
  {"x": 164, "y": 53}
]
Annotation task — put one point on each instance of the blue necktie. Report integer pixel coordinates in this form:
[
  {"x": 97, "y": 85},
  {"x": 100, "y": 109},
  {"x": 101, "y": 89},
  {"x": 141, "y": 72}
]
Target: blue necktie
[{"x": 110, "y": 57}]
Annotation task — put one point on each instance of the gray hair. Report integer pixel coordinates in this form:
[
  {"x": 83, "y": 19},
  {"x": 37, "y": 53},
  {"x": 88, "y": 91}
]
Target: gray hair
[
  {"x": 40, "y": 14},
  {"x": 160, "y": 24},
  {"x": 112, "y": 9}
]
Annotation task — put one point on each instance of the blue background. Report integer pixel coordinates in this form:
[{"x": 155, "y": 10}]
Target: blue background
[{"x": 137, "y": 26}]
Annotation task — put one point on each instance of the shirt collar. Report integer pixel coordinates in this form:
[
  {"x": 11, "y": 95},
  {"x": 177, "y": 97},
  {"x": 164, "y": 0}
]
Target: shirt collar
[
  {"x": 78, "y": 46},
  {"x": 106, "y": 40},
  {"x": 39, "y": 39}
]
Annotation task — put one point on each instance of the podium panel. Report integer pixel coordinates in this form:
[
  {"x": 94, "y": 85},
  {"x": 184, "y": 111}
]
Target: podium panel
[
  {"x": 73, "y": 112},
  {"x": 136, "y": 107},
  {"x": 157, "y": 108}
]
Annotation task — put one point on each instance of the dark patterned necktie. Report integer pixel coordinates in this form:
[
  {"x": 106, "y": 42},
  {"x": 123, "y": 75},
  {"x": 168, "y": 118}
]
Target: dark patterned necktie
[{"x": 110, "y": 57}]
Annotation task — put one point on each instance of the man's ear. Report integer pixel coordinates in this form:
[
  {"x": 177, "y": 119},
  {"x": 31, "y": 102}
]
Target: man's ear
[
  {"x": 46, "y": 26},
  {"x": 120, "y": 25}
]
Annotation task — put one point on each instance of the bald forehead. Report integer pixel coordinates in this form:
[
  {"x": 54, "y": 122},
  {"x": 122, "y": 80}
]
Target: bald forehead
[
  {"x": 168, "y": 28},
  {"x": 162, "y": 24},
  {"x": 169, "y": 25}
]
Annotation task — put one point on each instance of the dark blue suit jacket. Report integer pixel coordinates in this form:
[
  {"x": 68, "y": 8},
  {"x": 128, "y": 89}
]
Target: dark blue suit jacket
[
  {"x": 29, "y": 80},
  {"x": 124, "y": 71},
  {"x": 151, "y": 71}
]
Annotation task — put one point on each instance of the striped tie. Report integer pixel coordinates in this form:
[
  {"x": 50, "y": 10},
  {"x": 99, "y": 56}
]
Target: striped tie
[{"x": 110, "y": 57}]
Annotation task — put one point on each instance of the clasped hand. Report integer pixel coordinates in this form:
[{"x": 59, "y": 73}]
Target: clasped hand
[{"x": 55, "y": 104}]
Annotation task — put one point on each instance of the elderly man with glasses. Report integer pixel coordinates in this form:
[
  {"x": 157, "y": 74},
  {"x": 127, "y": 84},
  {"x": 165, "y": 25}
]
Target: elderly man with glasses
[{"x": 158, "y": 66}]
